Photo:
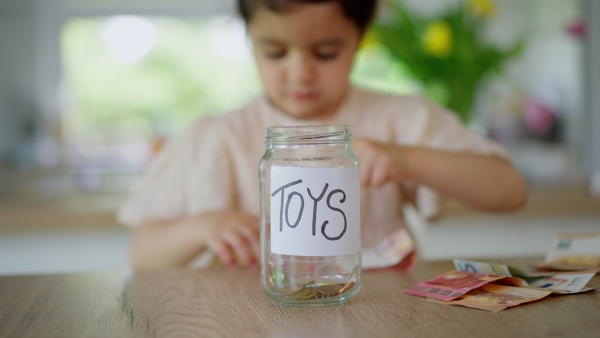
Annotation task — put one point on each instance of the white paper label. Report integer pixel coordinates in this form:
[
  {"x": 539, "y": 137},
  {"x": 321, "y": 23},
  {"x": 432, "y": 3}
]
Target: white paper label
[{"x": 315, "y": 211}]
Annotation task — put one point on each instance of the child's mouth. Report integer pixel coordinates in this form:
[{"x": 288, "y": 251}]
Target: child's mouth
[{"x": 303, "y": 95}]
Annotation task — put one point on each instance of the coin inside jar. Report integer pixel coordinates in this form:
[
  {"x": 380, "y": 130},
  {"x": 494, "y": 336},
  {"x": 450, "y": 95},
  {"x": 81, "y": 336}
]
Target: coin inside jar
[
  {"x": 287, "y": 289},
  {"x": 304, "y": 293},
  {"x": 346, "y": 288},
  {"x": 311, "y": 292},
  {"x": 330, "y": 289}
]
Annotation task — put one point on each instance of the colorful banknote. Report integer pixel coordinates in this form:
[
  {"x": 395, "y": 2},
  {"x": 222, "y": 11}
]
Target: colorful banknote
[
  {"x": 563, "y": 283},
  {"x": 451, "y": 285},
  {"x": 493, "y": 268},
  {"x": 390, "y": 251},
  {"x": 494, "y": 297},
  {"x": 574, "y": 251}
]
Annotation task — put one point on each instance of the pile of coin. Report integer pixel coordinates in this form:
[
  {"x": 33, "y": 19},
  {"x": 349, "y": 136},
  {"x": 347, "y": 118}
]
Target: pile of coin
[{"x": 310, "y": 291}]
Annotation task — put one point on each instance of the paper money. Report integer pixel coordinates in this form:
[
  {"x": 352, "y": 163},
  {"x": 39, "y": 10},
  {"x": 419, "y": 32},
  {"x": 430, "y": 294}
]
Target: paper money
[
  {"x": 574, "y": 251},
  {"x": 481, "y": 267},
  {"x": 494, "y": 297},
  {"x": 451, "y": 285},
  {"x": 492, "y": 268},
  {"x": 565, "y": 283},
  {"x": 390, "y": 251}
]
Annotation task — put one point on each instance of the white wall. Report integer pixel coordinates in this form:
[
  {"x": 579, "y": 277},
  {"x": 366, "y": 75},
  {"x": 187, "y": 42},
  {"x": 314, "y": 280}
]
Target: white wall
[
  {"x": 17, "y": 55},
  {"x": 147, "y": 7},
  {"x": 592, "y": 112}
]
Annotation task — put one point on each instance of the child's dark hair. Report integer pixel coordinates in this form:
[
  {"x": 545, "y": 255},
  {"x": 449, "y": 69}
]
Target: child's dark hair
[{"x": 360, "y": 12}]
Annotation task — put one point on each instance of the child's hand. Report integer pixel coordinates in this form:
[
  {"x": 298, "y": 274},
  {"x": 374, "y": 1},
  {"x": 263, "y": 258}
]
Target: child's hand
[
  {"x": 233, "y": 236},
  {"x": 380, "y": 163}
]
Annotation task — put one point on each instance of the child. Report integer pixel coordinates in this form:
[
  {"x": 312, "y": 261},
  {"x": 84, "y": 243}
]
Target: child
[{"x": 202, "y": 191}]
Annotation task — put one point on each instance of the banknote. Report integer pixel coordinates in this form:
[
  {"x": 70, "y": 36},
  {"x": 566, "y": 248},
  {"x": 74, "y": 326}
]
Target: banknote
[
  {"x": 494, "y": 269},
  {"x": 451, "y": 285},
  {"x": 564, "y": 283},
  {"x": 494, "y": 297},
  {"x": 574, "y": 251},
  {"x": 390, "y": 251}
]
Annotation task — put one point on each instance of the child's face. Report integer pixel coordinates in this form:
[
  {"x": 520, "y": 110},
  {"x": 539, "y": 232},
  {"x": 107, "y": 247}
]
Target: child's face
[{"x": 304, "y": 57}]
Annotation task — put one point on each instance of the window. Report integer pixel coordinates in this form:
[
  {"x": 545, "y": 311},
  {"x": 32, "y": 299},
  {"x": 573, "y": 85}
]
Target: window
[{"x": 131, "y": 81}]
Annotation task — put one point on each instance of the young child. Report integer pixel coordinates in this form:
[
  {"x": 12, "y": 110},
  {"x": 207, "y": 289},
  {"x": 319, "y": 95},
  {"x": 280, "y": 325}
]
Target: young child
[{"x": 202, "y": 191}]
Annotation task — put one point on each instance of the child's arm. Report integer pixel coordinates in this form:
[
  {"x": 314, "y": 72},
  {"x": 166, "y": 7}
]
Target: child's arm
[
  {"x": 233, "y": 236},
  {"x": 484, "y": 182}
]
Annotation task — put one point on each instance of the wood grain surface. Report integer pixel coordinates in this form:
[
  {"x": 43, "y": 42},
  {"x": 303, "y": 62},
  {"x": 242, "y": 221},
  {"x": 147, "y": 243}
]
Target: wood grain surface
[{"x": 221, "y": 302}]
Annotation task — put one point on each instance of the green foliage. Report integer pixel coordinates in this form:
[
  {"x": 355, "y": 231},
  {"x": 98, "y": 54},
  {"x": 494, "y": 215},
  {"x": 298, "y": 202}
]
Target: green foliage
[
  {"x": 448, "y": 53},
  {"x": 186, "y": 75},
  {"x": 375, "y": 69}
]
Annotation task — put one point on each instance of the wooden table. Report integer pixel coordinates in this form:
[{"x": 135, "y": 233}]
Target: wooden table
[{"x": 230, "y": 303}]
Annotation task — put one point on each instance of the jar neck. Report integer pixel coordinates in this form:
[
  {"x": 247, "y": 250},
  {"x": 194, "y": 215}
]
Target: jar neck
[{"x": 308, "y": 136}]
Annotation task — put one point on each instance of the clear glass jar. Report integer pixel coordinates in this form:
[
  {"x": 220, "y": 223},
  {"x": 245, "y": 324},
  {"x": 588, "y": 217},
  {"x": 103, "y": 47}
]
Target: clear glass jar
[{"x": 310, "y": 216}]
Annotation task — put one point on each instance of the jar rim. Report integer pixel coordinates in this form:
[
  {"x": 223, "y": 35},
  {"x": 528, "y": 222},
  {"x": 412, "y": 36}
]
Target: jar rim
[{"x": 308, "y": 134}]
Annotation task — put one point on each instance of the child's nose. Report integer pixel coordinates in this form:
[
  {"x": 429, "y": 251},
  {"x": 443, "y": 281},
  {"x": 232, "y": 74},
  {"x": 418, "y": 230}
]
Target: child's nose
[{"x": 302, "y": 70}]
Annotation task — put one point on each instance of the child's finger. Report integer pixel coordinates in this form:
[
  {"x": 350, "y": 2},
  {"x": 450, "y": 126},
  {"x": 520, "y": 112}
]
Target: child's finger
[
  {"x": 239, "y": 245},
  {"x": 379, "y": 175},
  {"x": 222, "y": 251},
  {"x": 253, "y": 221},
  {"x": 252, "y": 236},
  {"x": 366, "y": 169}
]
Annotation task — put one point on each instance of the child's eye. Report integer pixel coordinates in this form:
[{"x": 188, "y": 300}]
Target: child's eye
[
  {"x": 326, "y": 54},
  {"x": 275, "y": 54}
]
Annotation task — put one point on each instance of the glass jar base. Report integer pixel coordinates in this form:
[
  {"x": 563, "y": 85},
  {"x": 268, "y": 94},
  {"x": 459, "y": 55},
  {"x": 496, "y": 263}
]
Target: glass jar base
[{"x": 314, "y": 302}]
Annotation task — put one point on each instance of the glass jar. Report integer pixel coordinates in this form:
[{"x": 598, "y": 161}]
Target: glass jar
[{"x": 310, "y": 216}]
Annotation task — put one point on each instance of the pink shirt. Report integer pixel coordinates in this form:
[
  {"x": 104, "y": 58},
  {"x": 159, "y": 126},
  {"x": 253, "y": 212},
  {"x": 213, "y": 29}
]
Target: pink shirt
[{"x": 213, "y": 164}]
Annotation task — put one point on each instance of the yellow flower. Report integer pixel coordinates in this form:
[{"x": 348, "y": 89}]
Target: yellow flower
[
  {"x": 437, "y": 39},
  {"x": 368, "y": 40},
  {"x": 482, "y": 8}
]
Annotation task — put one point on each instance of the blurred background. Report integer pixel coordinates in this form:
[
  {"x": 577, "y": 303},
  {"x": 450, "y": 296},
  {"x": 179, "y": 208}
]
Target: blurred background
[{"x": 90, "y": 90}]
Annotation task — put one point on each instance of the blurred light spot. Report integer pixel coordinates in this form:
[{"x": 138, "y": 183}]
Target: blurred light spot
[
  {"x": 229, "y": 37},
  {"x": 129, "y": 38}
]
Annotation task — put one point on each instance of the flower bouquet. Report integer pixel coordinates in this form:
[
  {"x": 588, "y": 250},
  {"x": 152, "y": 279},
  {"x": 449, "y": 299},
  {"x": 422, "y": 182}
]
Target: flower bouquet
[{"x": 448, "y": 54}]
